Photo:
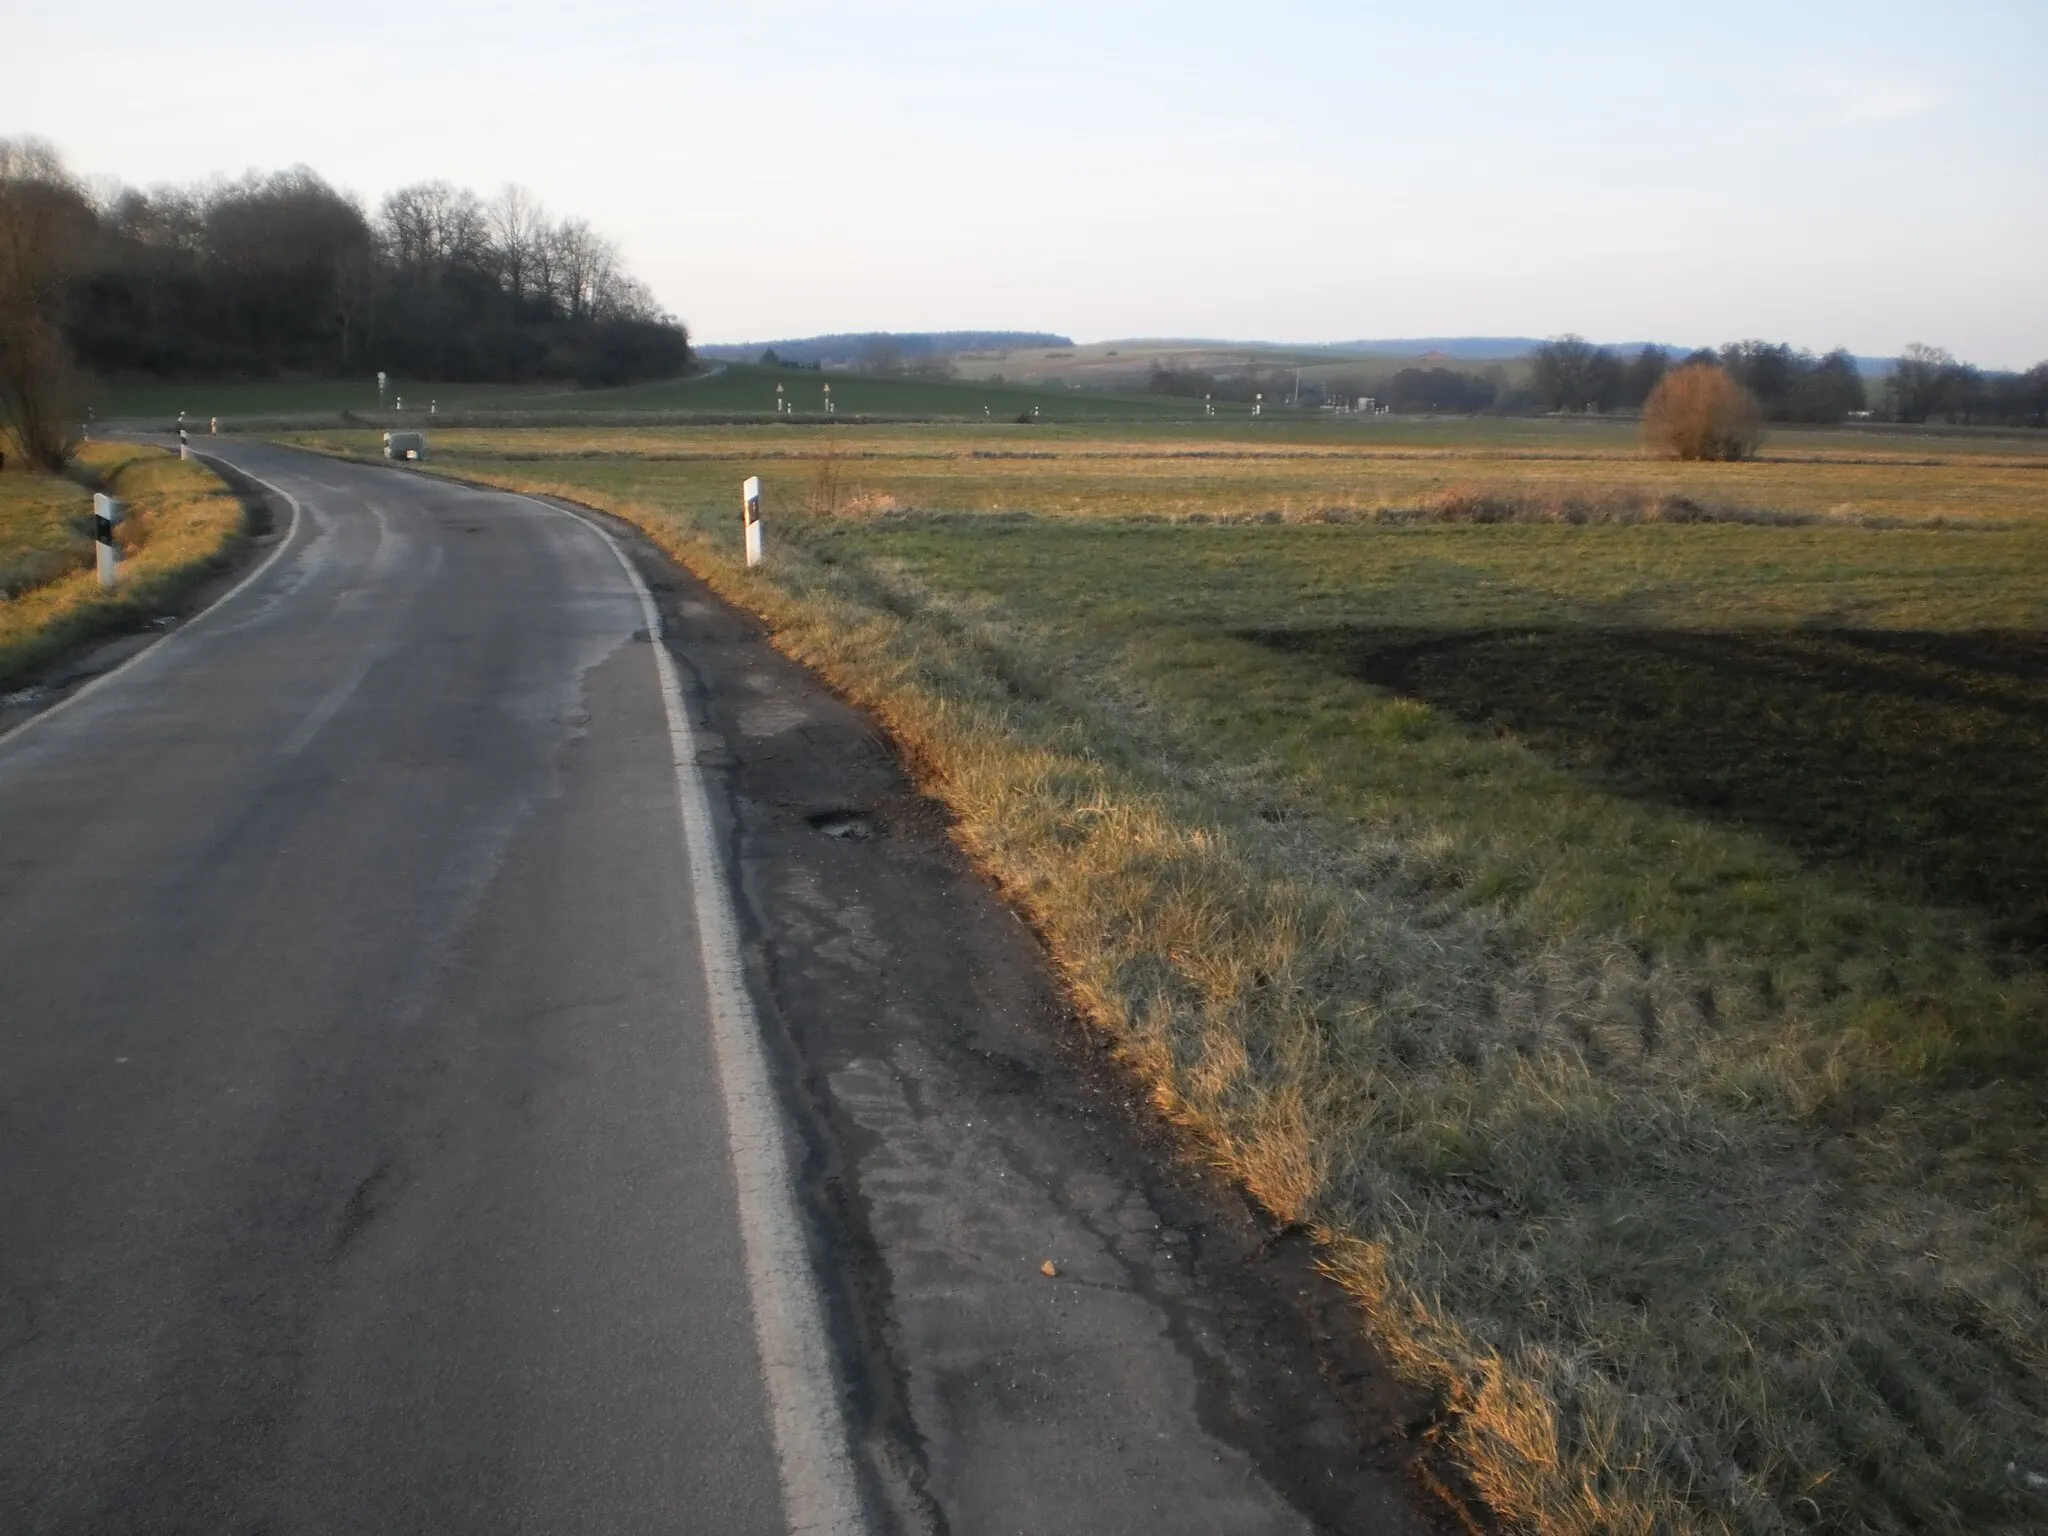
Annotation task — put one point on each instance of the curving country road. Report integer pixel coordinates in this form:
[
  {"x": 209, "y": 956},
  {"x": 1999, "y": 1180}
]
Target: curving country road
[
  {"x": 364, "y": 1150},
  {"x": 447, "y": 1086}
]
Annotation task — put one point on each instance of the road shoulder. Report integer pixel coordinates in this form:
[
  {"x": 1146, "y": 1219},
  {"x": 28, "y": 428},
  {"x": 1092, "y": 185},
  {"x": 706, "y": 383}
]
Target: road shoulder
[{"x": 1057, "y": 1317}]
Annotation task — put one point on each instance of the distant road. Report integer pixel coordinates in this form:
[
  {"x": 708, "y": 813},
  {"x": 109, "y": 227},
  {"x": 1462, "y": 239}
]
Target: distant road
[{"x": 363, "y": 1159}]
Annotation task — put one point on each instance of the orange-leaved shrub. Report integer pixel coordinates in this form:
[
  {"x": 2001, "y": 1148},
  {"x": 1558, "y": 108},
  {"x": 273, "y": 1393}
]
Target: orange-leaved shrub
[{"x": 1699, "y": 412}]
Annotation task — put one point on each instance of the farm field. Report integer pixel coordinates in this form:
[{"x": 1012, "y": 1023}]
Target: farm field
[
  {"x": 737, "y": 389},
  {"x": 1309, "y": 470},
  {"x": 1606, "y": 900},
  {"x": 1128, "y": 363},
  {"x": 240, "y": 399},
  {"x": 742, "y": 387}
]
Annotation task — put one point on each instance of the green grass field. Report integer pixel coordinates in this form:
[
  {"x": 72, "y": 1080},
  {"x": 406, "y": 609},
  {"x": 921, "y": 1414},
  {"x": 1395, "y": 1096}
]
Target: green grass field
[
  {"x": 238, "y": 400},
  {"x": 735, "y": 390},
  {"x": 746, "y": 388},
  {"x": 1622, "y": 942},
  {"x": 1128, "y": 363}
]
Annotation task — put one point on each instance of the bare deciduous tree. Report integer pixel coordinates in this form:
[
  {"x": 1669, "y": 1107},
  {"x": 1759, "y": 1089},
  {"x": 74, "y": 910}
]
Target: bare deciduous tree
[
  {"x": 1569, "y": 373},
  {"x": 1928, "y": 381},
  {"x": 46, "y": 230},
  {"x": 517, "y": 225},
  {"x": 433, "y": 226}
]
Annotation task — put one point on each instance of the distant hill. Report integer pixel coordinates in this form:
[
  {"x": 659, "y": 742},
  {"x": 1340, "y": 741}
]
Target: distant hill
[
  {"x": 851, "y": 347},
  {"x": 1501, "y": 348},
  {"x": 1457, "y": 349},
  {"x": 854, "y": 348},
  {"x": 1463, "y": 348}
]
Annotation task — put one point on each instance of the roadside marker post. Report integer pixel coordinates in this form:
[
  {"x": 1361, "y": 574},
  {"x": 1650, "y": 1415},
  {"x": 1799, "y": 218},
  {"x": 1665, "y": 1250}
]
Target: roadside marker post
[
  {"x": 750, "y": 505},
  {"x": 213, "y": 430},
  {"x": 106, "y": 512},
  {"x": 184, "y": 443}
]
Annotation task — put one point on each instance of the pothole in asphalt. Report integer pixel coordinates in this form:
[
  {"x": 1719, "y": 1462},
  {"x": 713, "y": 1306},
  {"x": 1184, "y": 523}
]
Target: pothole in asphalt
[{"x": 841, "y": 822}]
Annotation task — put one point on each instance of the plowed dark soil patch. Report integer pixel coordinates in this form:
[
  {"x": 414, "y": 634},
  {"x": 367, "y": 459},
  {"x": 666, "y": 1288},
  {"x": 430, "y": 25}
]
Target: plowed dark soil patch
[{"x": 1920, "y": 759}]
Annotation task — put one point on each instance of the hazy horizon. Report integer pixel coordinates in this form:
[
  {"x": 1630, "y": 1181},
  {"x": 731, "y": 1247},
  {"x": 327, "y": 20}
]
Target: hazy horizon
[{"x": 1849, "y": 176}]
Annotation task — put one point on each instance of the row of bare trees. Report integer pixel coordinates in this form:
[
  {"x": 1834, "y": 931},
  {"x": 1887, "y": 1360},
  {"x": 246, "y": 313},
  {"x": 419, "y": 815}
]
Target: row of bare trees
[
  {"x": 1569, "y": 373},
  {"x": 282, "y": 273},
  {"x": 1930, "y": 384},
  {"x": 562, "y": 266}
]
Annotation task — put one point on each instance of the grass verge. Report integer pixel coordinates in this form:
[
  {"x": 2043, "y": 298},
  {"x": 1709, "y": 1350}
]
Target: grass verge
[
  {"x": 1581, "y": 929},
  {"x": 44, "y": 523},
  {"x": 181, "y": 524}
]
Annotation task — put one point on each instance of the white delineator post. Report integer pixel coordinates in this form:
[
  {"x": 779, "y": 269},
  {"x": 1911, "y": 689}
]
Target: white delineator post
[
  {"x": 106, "y": 512},
  {"x": 184, "y": 444},
  {"x": 750, "y": 504}
]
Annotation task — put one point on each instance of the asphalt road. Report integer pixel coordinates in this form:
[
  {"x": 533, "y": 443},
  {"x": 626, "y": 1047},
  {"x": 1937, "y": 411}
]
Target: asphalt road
[
  {"x": 363, "y": 1160},
  {"x": 467, "y": 1068}
]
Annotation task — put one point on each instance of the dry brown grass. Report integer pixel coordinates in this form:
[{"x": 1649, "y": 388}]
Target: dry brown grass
[
  {"x": 1105, "y": 474},
  {"x": 181, "y": 523}
]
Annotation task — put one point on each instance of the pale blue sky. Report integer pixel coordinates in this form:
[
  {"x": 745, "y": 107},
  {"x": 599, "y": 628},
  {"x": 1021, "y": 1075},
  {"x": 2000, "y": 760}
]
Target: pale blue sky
[{"x": 1857, "y": 174}]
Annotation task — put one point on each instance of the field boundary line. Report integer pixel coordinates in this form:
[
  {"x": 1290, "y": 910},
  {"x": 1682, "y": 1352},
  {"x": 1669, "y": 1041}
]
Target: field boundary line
[{"x": 156, "y": 646}]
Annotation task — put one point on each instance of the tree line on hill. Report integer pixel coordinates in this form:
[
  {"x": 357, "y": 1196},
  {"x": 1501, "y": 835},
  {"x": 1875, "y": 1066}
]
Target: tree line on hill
[
  {"x": 283, "y": 274},
  {"x": 1571, "y": 374},
  {"x": 1928, "y": 384},
  {"x": 857, "y": 349}
]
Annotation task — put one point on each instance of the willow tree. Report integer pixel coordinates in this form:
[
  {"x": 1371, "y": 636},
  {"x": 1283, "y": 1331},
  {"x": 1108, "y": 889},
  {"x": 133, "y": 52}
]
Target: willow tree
[{"x": 1700, "y": 412}]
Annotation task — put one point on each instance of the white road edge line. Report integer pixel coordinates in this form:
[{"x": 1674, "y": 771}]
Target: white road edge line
[
  {"x": 156, "y": 646},
  {"x": 820, "y": 1493}
]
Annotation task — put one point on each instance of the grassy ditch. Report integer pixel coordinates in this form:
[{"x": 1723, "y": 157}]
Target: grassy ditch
[
  {"x": 43, "y": 522},
  {"x": 180, "y": 524},
  {"x": 1621, "y": 944}
]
